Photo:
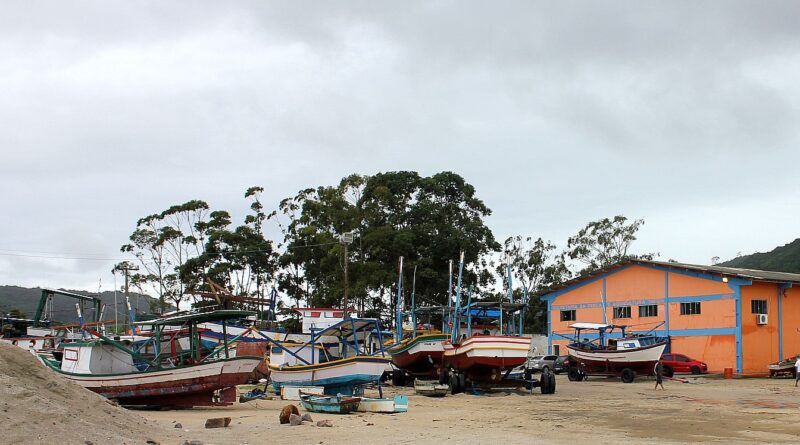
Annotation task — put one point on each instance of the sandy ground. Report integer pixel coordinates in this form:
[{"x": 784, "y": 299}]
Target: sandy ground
[
  {"x": 39, "y": 407},
  {"x": 710, "y": 410}
]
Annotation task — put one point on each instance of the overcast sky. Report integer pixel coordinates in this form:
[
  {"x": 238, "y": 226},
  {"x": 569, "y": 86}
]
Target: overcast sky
[{"x": 684, "y": 114}]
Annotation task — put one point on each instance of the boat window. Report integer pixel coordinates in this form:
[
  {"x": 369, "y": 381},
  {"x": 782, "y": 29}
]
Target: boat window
[
  {"x": 758, "y": 306},
  {"x": 568, "y": 315},
  {"x": 649, "y": 310},
  {"x": 622, "y": 312},
  {"x": 692, "y": 308}
]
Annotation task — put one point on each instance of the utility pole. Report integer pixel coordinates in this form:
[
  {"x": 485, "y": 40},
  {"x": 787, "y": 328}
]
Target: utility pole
[
  {"x": 125, "y": 267},
  {"x": 346, "y": 239}
]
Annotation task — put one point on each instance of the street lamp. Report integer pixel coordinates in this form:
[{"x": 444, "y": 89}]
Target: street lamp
[{"x": 346, "y": 239}]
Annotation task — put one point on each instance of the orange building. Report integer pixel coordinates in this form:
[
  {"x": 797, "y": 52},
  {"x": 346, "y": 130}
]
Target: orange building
[{"x": 729, "y": 318}]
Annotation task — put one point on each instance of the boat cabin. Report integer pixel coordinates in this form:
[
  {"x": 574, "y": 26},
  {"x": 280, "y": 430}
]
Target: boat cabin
[{"x": 95, "y": 357}]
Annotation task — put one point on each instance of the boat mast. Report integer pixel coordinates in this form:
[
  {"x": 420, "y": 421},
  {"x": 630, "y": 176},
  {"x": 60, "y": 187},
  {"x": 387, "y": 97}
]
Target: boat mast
[
  {"x": 398, "y": 322},
  {"x": 510, "y": 297},
  {"x": 457, "y": 318},
  {"x": 413, "y": 307},
  {"x": 446, "y": 321}
]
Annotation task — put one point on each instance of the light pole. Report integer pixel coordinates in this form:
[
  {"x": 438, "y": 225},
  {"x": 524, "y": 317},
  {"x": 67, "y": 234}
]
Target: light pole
[{"x": 346, "y": 239}]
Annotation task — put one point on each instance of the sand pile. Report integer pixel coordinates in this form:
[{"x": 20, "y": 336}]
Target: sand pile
[{"x": 37, "y": 406}]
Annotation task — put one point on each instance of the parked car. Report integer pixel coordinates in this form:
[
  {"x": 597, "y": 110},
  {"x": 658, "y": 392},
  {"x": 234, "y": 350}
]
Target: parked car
[
  {"x": 561, "y": 364},
  {"x": 539, "y": 363},
  {"x": 681, "y": 363}
]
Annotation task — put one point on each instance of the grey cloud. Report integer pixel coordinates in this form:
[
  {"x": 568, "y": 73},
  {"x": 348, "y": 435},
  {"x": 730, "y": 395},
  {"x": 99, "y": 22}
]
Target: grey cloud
[{"x": 557, "y": 113}]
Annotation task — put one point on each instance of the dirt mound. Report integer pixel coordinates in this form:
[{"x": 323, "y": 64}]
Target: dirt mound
[{"x": 37, "y": 406}]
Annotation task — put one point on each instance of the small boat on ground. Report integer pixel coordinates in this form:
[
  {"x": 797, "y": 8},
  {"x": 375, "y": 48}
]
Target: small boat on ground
[
  {"x": 157, "y": 371},
  {"x": 398, "y": 404},
  {"x": 430, "y": 388},
  {"x": 338, "y": 373},
  {"x": 612, "y": 354},
  {"x": 783, "y": 367},
  {"x": 338, "y": 404}
]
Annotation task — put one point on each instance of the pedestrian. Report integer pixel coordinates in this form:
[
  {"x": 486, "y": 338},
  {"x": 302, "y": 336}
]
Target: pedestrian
[
  {"x": 659, "y": 371},
  {"x": 796, "y": 371}
]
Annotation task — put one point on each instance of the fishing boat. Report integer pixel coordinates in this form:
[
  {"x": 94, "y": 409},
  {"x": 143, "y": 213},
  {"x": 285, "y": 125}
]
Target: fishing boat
[
  {"x": 158, "y": 371},
  {"x": 329, "y": 404},
  {"x": 338, "y": 371},
  {"x": 421, "y": 355},
  {"x": 397, "y": 404},
  {"x": 783, "y": 367},
  {"x": 610, "y": 353},
  {"x": 484, "y": 358}
]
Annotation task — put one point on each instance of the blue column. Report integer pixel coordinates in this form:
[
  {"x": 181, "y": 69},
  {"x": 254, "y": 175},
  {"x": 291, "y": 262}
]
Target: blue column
[
  {"x": 737, "y": 298},
  {"x": 603, "y": 295},
  {"x": 549, "y": 327},
  {"x": 781, "y": 289},
  {"x": 666, "y": 303}
]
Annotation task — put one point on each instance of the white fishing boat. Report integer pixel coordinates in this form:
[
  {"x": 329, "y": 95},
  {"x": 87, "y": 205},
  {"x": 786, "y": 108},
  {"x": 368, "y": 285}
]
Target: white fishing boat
[
  {"x": 337, "y": 371},
  {"x": 148, "y": 373},
  {"x": 626, "y": 355}
]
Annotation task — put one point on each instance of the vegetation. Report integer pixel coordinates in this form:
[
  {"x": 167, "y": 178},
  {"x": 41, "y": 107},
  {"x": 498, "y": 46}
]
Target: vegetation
[
  {"x": 605, "y": 242},
  {"x": 428, "y": 221},
  {"x": 781, "y": 259}
]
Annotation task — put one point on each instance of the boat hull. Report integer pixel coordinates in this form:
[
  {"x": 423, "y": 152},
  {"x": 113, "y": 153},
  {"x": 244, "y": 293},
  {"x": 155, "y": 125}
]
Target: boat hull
[
  {"x": 611, "y": 362},
  {"x": 330, "y": 404},
  {"x": 191, "y": 385},
  {"x": 487, "y": 358},
  {"x": 421, "y": 356},
  {"x": 336, "y": 376}
]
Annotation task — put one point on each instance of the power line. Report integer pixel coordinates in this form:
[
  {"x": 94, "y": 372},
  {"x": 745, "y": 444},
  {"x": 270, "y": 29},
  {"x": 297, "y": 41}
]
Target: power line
[{"x": 67, "y": 256}]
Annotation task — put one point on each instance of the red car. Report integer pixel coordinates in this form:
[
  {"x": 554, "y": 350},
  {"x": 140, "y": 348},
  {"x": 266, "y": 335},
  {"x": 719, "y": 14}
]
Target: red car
[{"x": 680, "y": 363}]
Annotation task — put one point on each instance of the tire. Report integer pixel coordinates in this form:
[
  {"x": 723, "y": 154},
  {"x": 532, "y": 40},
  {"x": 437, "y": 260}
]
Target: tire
[
  {"x": 695, "y": 370},
  {"x": 528, "y": 374},
  {"x": 462, "y": 381},
  {"x": 454, "y": 388},
  {"x": 668, "y": 371},
  {"x": 398, "y": 377},
  {"x": 628, "y": 375},
  {"x": 552, "y": 379},
  {"x": 574, "y": 375},
  {"x": 544, "y": 383}
]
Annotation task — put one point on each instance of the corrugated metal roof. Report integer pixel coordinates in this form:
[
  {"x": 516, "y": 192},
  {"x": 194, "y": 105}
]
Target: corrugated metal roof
[{"x": 748, "y": 274}]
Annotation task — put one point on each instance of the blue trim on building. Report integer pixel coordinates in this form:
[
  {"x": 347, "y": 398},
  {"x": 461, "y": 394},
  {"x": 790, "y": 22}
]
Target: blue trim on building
[
  {"x": 781, "y": 288},
  {"x": 549, "y": 328},
  {"x": 675, "y": 333},
  {"x": 553, "y": 295},
  {"x": 603, "y": 295},
  {"x": 737, "y": 295},
  {"x": 645, "y": 302},
  {"x": 666, "y": 303},
  {"x": 694, "y": 298}
]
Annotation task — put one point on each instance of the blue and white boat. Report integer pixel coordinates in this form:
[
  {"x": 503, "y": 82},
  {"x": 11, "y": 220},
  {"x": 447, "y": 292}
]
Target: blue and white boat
[{"x": 338, "y": 371}]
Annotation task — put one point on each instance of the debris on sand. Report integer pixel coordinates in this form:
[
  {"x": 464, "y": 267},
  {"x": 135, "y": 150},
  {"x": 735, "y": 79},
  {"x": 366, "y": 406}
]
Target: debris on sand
[
  {"x": 218, "y": 422},
  {"x": 287, "y": 411}
]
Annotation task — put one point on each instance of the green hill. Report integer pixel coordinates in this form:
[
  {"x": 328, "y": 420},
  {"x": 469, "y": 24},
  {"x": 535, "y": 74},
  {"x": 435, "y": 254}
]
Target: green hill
[
  {"x": 781, "y": 259},
  {"x": 26, "y": 300}
]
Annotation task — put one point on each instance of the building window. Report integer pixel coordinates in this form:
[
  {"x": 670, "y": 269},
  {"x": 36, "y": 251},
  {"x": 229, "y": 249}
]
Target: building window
[
  {"x": 692, "y": 308},
  {"x": 758, "y": 306},
  {"x": 622, "y": 312},
  {"x": 568, "y": 315},
  {"x": 650, "y": 310}
]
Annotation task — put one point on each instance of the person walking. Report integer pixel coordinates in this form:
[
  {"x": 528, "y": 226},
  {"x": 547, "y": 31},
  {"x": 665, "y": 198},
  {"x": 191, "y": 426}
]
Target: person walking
[
  {"x": 659, "y": 371},
  {"x": 796, "y": 371}
]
